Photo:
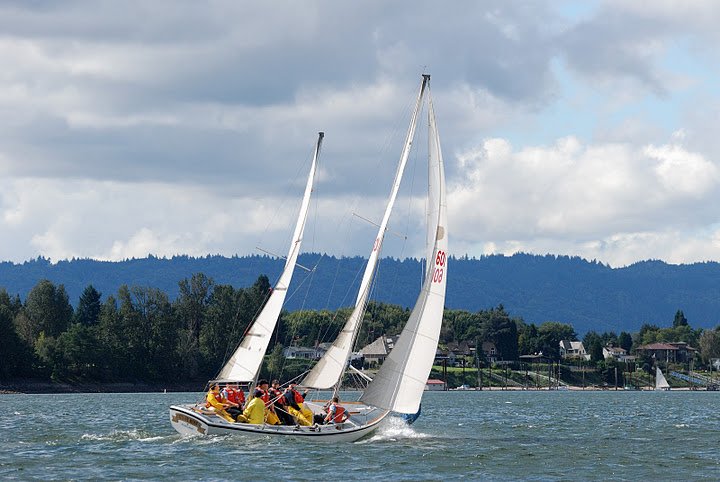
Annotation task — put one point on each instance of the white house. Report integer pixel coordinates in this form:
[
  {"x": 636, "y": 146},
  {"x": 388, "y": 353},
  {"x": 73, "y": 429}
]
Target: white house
[
  {"x": 573, "y": 349},
  {"x": 614, "y": 352},
  {"x": 617, "y": 353},
  {"x": 303, "y": 352}
]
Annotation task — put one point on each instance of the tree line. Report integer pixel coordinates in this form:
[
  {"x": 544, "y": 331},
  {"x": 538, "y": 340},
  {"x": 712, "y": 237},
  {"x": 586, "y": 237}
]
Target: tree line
[
  {"x": 588, "y": 294},
  {"x": 139, "y": 335}
]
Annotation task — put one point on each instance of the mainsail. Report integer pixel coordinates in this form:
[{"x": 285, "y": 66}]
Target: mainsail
[
  {"x": 330, "y": 368},
  {"x": 401, "y": 380},
  {"x": 660, "y": 381},
  {"x": 245, "y": 363}
]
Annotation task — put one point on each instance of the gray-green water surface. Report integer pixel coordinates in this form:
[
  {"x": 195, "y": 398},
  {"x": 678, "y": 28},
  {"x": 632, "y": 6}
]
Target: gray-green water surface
[{"x": 502, "y": 435}]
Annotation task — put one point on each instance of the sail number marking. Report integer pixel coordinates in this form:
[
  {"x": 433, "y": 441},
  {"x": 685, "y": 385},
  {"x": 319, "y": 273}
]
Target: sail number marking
[{"x": 440, "y": 259}]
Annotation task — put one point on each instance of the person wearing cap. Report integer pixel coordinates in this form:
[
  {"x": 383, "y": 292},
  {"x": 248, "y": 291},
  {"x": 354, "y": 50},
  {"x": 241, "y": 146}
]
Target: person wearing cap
[{"x": 255, "y": 410}]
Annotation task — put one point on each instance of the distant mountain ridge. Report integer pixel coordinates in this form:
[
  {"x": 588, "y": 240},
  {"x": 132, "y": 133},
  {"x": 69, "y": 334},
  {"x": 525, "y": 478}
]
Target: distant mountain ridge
[{"x": 586, "y": 294}]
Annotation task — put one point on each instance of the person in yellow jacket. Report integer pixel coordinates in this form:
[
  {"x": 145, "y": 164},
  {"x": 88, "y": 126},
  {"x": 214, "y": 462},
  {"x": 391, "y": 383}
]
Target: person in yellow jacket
[
  {"x": 216, "y": 401},
  {"x": 254, "y": 411},
  {"x": 270, "y": 416}
]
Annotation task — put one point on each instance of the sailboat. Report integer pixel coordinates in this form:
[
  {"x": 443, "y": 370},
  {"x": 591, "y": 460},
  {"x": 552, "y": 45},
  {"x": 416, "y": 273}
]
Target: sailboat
[
  {"x": 244, "y": 364},
  {"x": 399, "y": 384},
  {"x": 660, "y": 381}
]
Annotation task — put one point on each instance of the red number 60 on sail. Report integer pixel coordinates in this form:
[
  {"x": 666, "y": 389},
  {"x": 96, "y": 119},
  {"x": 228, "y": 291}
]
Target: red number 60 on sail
[{"x": 439, "y": 263}]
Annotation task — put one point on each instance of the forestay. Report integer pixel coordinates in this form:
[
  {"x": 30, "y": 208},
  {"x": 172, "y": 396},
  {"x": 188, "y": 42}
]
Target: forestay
[{"x": 246, "y": 361}]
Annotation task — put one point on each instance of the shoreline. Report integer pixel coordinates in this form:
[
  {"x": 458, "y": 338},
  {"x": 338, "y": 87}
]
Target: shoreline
[{"x": 20, "y": 387}]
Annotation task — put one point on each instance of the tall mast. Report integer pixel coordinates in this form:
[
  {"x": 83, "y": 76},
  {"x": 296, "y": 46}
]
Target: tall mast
[
  {"x": 244, "y": 365},
  {"x": 327, "y": 373}
]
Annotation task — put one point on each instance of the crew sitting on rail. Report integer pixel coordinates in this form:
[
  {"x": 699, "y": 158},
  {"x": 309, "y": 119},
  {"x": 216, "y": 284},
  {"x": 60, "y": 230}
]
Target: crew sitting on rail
[
  {"x": 270, "y": 416},
  {"x": 220, "y": 405},
  {"x": 295, "y": 406},
  {"x": 276, "y": 396},
  {"x": 234, "y": 394},
  {"x": 336, "y": 413},
  {"x": 254, "y": 411}
]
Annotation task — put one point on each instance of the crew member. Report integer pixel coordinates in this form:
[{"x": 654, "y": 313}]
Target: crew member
[
  {"x": 255, "y": 411},
  {"x": 215, "y": 400},
  {"x": 234, "y": 395},
  {"x": 278, "y": 400},
  {"x": 294, "y": 402},
  {"x": 335, "y": 412},
  {"x": 270, "y": 416}
]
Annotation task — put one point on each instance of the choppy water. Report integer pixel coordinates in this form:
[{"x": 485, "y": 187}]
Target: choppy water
[{"x": 468, "y": 435}]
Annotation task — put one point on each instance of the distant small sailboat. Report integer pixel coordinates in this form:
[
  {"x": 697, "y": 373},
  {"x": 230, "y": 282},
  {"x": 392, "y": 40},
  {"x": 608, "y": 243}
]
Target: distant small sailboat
[{"x": 660, "y": 381}]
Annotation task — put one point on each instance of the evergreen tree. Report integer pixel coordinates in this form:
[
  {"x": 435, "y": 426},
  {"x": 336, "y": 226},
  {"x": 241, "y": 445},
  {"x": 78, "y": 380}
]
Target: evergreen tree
[
  {"x": 14, "y": 353},
  {"x": 192, "y": 303},
  {"x": 48, "y": 310},
  {"x": 625, "y": 341},
  {"x": 88, "y": 309},
  {"x": 680, "y": 319}
]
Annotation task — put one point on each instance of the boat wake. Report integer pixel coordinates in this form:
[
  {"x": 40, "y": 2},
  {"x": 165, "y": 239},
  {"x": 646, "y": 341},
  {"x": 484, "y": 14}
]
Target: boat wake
[
  {"x": 393, "y": 429},
  {"x": 122, "y": 436}
]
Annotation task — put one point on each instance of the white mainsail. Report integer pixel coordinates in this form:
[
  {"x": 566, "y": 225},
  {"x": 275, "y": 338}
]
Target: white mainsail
[
  {"x": 245, "y": 363},
  {"x": 330, "y": 368},
  {"x": 660, "y": 381},
  {"x": 401, "y": 380}
]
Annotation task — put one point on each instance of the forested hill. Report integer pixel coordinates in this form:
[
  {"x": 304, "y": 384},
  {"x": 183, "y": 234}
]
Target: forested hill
[{"x": 588, "y": 295}]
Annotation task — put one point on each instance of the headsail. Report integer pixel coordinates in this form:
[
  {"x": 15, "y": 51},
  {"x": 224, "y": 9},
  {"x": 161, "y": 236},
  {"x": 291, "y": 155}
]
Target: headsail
[
  {"x": 401, "y": 380},
  {"x": 330, "y": 368},
  {"x": 245, "y": 363}
]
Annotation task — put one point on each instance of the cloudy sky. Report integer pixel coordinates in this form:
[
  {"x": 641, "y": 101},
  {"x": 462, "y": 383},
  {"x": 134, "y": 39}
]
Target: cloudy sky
[{"x": 136, "y": 128}]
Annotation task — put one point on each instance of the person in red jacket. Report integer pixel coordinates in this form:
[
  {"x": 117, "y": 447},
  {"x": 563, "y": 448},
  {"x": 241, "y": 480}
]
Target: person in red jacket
[
  {"x": 270, "y": 415},
  {"x": 235, "y": 395},
  {"x": 276, "y": 396},
  {"x": 336, "y": 413}
]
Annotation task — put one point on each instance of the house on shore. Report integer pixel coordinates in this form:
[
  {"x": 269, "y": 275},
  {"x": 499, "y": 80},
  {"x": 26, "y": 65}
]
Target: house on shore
[
  {"x": 304, "y": 352},
  {"x": 376, "y": 352},
  {"x": 675, "y": 352},
  {"x": 611, "y": 352},
  {"x": 434, "y": 385},
  {"x": 490, "y": 351},
  {"x": 573, "y": 349}
]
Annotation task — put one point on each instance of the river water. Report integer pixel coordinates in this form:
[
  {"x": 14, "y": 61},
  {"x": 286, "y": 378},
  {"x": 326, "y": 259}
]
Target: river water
[{"x": 500, "y": 435}]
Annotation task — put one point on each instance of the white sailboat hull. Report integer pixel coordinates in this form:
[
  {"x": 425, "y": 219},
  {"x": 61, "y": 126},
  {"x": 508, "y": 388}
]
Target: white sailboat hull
[{"x": 188, "y": 420}]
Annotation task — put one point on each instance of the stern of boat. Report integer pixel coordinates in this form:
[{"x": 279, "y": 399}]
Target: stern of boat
[{"x": 186, "y": 422}]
